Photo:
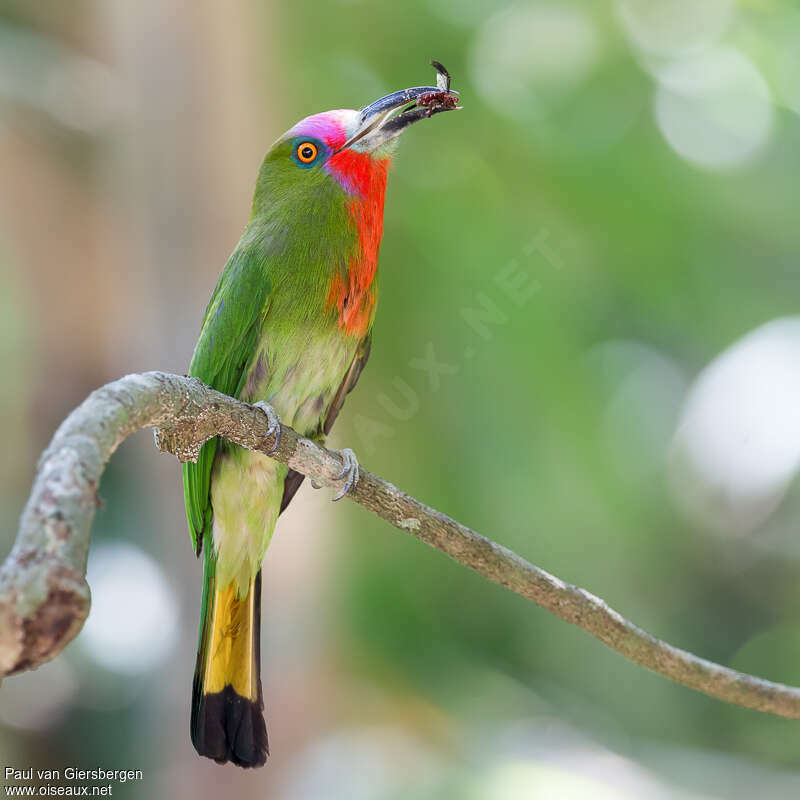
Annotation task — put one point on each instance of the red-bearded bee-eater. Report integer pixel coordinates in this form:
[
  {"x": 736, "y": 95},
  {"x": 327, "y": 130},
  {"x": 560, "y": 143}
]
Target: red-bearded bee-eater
[{"x": 289, "y": 324}]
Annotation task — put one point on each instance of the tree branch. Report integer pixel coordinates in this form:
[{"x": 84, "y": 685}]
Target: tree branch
[{"x": 44, "y": 598}]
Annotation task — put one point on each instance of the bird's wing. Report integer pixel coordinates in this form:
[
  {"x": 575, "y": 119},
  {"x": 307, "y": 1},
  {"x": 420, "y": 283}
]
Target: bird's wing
[
  {"x": 294, "y": 479},
  {"x": 348, "y": 382},
  {"x": 228, "y": 337}
]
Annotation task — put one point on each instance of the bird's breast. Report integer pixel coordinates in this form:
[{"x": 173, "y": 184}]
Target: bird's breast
[
  {"x": 298, "y": 373},
  {"x": 353, "y": 292}
]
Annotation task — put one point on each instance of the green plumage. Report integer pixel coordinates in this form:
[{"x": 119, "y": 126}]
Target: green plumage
[
  {"x": 299, "y": 234},
  {"x": 228, "y": 337},
  {"x": 289, "y": 323},
  {"x": 270, "y": 333}
]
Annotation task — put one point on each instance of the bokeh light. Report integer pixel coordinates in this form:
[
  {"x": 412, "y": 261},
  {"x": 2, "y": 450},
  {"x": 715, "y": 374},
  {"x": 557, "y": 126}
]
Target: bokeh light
[
  {"x": 672, "y": 27},
  {"x": 737, "y": 447},
  {"x": 134, "y": 618},
  {"x": 527, "y": 57},
  {"x": 714, "y": 108}
]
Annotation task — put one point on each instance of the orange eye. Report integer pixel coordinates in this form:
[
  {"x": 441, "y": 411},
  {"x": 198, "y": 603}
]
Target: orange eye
[{"x": 306, "y": 152}]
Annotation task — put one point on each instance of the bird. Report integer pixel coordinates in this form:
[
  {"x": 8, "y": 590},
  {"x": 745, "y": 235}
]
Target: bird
[{"x": 289, "y": 325}]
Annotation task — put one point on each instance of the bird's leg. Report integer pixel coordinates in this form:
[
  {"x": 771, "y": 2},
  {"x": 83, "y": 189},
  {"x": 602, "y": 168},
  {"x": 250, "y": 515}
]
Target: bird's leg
[
  {"x": 349, "y": 472},
  {"x": 274, "y": 423},
  {"x": 350, "y": 469}
]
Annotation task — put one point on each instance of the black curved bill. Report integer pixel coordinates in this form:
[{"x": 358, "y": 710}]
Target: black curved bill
[{"x": 377, "y": 126}]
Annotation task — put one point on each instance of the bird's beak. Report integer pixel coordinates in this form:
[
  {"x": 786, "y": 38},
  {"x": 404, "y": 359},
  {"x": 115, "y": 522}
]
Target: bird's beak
[{"x": 377, "y": 126}]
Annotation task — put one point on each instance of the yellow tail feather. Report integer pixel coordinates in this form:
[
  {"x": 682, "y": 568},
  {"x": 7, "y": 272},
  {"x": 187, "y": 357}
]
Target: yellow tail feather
[
  {"x": 227, "y": 706},
  {"x": 231, "y": 657}
]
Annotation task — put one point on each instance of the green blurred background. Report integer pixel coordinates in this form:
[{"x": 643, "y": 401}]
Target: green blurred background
[{"x": 600, "y": 253}]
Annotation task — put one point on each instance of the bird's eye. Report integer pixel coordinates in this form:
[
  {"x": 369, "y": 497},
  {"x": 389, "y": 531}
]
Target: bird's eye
[{"x": 306, "y": 152}]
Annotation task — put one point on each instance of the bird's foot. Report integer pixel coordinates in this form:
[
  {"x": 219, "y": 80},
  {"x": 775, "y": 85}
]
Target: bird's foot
[
  {"x": 349, "y": 473},
  {"x": 274, "y": 424}
]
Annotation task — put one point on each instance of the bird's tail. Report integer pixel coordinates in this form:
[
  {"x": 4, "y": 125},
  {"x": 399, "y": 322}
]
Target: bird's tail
[{"x": 227, "y": 704}]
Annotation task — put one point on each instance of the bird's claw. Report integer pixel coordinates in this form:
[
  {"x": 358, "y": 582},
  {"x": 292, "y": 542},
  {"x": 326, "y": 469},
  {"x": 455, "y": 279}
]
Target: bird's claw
[
  {"x": 274, "y": 424},
  {"x": 349, "y": 472}
]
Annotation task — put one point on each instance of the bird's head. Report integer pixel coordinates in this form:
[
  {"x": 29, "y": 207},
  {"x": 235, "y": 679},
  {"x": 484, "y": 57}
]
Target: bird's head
[{"x": 347, "y": 150}]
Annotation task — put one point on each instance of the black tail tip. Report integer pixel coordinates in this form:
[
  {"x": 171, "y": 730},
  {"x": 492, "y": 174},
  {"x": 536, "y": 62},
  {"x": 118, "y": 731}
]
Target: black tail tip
[{"x": 228, "y": 727}]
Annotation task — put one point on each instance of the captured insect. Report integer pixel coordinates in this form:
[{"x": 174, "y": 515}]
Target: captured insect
[{"x": 444, "y": 99}]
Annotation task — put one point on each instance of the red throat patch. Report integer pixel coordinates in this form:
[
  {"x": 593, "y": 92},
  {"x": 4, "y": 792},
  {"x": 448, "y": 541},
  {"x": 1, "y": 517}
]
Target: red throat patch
[{"x": 353, "y": 293}]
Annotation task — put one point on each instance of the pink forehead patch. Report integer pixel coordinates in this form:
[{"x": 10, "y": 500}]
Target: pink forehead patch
[{"x": 330, "y": 127}]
